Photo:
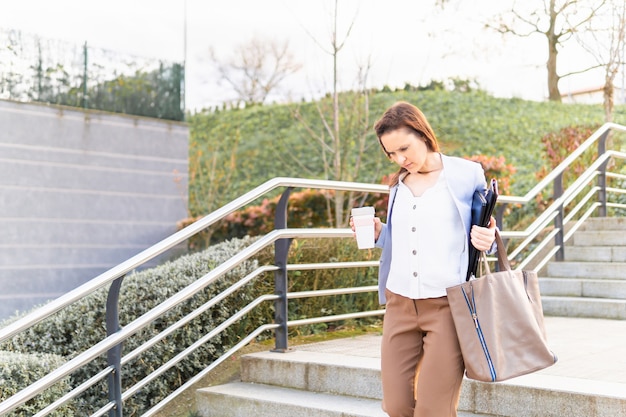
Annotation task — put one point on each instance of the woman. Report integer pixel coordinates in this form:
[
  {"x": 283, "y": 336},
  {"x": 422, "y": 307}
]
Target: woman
[{"x": 424, "y": 250}]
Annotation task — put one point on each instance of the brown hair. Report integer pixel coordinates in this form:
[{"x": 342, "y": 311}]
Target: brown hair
[{"x": 403, "y": 115}]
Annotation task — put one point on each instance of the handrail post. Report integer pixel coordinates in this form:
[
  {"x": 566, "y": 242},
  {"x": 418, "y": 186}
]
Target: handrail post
[
  {"x": 602, "y": 177},
  {"x": 558, "y": 220},
  {"x": 114, "y": 355},
  {"x": 281, "y": 251}
]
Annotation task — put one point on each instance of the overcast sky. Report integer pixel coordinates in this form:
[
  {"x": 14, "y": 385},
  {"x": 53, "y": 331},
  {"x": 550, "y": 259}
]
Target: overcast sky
[{"x": 405, "y": 40}]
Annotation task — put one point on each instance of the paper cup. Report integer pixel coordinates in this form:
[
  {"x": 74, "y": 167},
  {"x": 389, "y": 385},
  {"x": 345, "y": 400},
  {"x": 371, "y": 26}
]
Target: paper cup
[{"x": 363, "y": 219}]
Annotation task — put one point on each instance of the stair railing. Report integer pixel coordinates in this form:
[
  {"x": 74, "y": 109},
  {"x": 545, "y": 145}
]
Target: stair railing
[
  {"x": 111, "y": 345},
  {"x": 281, "y": 238},
  {"x": 554, "y": 219}
]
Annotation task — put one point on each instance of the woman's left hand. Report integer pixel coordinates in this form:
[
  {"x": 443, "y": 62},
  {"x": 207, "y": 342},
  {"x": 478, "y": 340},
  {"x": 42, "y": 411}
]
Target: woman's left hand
[{"x": 482, "y": 237}]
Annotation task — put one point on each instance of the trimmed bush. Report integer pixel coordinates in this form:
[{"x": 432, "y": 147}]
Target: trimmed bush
[
  {"x": 82, "y": 325},
  {"x": 331, "y": 250},
  {"x": 19, "y": 370}
]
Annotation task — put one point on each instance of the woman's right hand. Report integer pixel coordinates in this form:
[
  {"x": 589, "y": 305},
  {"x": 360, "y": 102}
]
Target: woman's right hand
[{"x": 378, "y": 227}]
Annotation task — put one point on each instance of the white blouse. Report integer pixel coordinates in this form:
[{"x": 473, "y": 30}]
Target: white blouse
[{"x": 428, "y": 242}]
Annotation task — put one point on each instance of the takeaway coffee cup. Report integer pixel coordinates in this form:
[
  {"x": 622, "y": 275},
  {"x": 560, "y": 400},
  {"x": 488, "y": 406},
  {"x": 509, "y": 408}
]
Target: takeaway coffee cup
[{"x": 363, "y": 219}]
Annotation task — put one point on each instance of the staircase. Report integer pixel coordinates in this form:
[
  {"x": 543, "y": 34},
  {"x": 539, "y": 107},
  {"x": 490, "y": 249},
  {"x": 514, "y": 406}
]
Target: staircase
[
  {"x": 345, "y": 382},
  {"x": 591, "y": 281},
  {"x": 339, "y": 382},
  {"x": 341, "y": 378}
]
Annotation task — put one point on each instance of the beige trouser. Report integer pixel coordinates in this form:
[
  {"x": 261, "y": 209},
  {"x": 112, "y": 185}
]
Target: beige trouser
[{"x": 421, "y": 362}]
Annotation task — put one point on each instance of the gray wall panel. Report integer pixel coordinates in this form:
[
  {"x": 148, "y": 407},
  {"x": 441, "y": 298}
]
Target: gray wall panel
[
  {"x": 41, "y": 174},
  {"x": 35, "y": 154},
  {"x": 43, "y": 257},
  {"x": 26, "y": 281},
  {"x": 88, "y": 205},
  {"x": 77, "y": 232},
  {"x": 10, "y": 305},
  {"x": 80, "y": 192}
]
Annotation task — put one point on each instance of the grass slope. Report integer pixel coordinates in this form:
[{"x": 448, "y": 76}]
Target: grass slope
[{"x": 240, "y": 149}]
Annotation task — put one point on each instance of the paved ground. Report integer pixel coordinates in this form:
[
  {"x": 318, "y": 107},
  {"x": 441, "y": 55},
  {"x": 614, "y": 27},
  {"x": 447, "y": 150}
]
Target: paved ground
[{"x": 591, "y": 352}]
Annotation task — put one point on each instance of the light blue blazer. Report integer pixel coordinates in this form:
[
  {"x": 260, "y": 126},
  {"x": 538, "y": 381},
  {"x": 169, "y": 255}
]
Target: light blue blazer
[{"x": 463, "y": 178}]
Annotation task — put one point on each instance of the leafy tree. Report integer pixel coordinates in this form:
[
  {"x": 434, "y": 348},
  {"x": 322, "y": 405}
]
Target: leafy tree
[
  {"x": 155, "y": 93},
  {"x": 57, "y": 79}
]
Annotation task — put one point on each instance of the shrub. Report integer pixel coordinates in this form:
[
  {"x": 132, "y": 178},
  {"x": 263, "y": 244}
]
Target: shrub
[
  {"x": 307, "y": 208},
  {"x": 82, "y": 325},
  {"x": 18, "y": 370},
  {"x": 558, "y": 146},
  {"x": 311, "y": 208},
  {"x": 466, "y": 123},
  {"x": 496, "y": 167},
  {"x": 330, "y": 250}
]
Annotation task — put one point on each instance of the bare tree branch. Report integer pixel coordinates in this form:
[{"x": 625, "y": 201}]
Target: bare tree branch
[
  {"x": 557, "y": 22},
  {"x": 256, "y": 69},
  {"x": 341, "y": 150},
  {"x": 607, "y": 47}
]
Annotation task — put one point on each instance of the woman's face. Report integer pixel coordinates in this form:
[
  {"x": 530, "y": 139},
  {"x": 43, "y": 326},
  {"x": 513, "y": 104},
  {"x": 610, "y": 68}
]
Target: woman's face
[{"x": 406, "y": 148}]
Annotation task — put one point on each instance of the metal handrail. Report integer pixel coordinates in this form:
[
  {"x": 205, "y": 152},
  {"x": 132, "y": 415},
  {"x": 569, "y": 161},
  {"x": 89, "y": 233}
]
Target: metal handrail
[
  {"x": 173, "y": 240},
  {"x": 143, "y": 321},
  {"x": 196, "y": 227},
  {"x": 572, "y": 191},
  {"x": 279, "y": 236},
  {"x": 549, "y": 179},
  {"x": 552, "y": 211}
]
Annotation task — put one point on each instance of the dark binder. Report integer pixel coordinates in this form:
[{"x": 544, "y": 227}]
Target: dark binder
[{"x": 483, "y": 204}]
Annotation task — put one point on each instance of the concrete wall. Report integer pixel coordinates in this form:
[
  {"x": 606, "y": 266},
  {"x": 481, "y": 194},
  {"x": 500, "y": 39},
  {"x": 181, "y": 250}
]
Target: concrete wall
[{"x": 80, "y": 192}]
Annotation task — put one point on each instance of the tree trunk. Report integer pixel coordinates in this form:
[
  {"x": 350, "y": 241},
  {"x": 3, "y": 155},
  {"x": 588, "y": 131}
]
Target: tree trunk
[
  {"x": 337, "y": 162},
  {"x": 609, "y": 91},
  {"x": 553, "y": 78}
]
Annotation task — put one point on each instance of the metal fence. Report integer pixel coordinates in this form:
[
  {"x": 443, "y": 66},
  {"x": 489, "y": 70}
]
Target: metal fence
[{"x": 37, "y": 69}]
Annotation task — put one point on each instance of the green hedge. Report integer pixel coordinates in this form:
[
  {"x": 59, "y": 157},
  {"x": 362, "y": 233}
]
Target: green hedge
[
  {"x": 82, "y": 325},
  {"x": 19, "y": 370}
]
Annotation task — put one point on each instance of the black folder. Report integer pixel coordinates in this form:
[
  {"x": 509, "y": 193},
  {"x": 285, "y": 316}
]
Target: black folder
[{"x": 483, "y": 204}]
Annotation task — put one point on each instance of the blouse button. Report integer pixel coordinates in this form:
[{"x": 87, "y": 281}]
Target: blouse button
[
  {"x": 415, "y": 274},
  {"x": 413, "y": 229},
  {"x": 414, "y": 252},
  {"x": 414, "y": 207}
]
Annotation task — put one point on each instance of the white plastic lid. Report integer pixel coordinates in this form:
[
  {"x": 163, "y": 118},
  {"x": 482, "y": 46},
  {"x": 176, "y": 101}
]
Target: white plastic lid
[{"x": 363, "y": 211}]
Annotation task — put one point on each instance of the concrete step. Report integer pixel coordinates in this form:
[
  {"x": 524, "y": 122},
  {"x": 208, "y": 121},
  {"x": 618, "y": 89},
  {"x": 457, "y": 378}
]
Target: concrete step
[
  {"x": 544, "y": 395},
  {"x": 584, "y": 307},
  {"x": 599, "y": 238},
  {"x": 590, "y": 270},
  {"x": 240, "y": 399},
  {"x": 315, "y": 371},
  {"x": 576, "y": 287},
  {"x": 604, "y": 223},
  {"x": 322, "y": 383},
  {"x": 595, "y": 253},
  {"x": 591, "y": 282}
]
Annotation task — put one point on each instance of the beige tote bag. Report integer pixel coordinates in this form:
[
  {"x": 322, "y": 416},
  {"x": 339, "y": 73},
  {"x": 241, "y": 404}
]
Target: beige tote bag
[{"x": 499, "y": 322}]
